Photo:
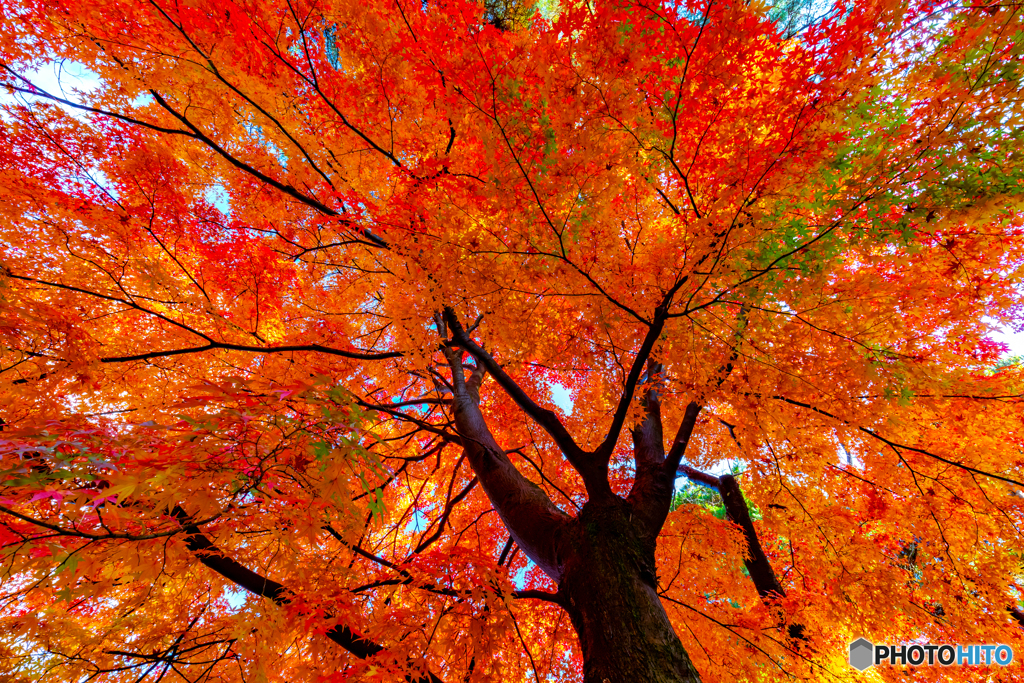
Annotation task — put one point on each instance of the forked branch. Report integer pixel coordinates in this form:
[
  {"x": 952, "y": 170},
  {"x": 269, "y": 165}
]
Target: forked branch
[{"x": 594, "y": 477}]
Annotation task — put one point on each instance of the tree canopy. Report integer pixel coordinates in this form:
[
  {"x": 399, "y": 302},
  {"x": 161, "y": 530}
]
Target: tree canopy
[{"x": 286, "y": 298}]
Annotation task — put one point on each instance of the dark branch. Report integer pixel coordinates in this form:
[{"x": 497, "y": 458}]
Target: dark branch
[
  {"x": 36, "y": 91},
  {"x": 312, "y": 203},
  {"x": 675, "y": 454},
  {"x": 595, "y": 478},
  {"x": 538, "y": 595},
  {"x": 447, "y": 513},
  {"x": 604, "y": 451},
  {"x": 651, "y": 494},
  {"x": 698, "y": 477},
  {"x": 757, "y": 564},
  {"x": 212, "y": 557},
  {"x": 896, "y": 446},
  {"x": 213, "y": 346},
  {"x": 504, "y": 551},
  {"x": 756, "y": 561}
]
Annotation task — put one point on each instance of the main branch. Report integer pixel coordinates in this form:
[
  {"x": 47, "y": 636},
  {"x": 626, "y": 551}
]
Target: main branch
[{"x": 536, "y": 523}]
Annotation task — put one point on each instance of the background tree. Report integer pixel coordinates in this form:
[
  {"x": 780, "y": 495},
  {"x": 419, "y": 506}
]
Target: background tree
[{"x": 285, "y": 296}]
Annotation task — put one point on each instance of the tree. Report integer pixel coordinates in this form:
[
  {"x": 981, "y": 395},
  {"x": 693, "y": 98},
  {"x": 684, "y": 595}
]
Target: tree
[{"x": 284, "y": 298}]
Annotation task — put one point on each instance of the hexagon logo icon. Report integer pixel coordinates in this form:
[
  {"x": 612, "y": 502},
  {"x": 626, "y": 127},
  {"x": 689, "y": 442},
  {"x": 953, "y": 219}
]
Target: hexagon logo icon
[{"x": 861, "y": 654}]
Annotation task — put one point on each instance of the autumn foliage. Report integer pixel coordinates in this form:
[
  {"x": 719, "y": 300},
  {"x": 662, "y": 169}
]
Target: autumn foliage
[{"x": 287, "y": 296}]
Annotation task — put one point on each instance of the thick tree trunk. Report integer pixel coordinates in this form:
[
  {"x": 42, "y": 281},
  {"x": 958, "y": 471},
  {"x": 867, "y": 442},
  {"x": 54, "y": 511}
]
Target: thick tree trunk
[{"x": 608, "y": 586}]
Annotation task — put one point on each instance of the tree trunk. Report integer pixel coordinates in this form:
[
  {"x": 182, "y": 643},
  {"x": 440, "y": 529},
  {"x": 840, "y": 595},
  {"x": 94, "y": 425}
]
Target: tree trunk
[{"x": 608, "y": 586}]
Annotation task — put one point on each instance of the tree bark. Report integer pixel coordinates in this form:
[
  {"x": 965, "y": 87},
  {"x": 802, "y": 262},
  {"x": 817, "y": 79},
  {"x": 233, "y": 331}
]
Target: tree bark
[{"x": 609, "y": 589}]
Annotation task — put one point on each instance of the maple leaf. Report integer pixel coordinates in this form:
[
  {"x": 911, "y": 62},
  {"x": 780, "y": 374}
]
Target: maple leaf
[{"x": 283, "y": 298}]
